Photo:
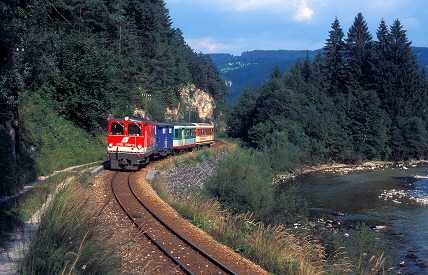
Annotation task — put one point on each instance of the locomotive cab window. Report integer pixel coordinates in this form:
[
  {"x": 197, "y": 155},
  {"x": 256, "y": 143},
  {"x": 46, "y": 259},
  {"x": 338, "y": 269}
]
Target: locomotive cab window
[
  {"x": 116, "y": 128},
  {"x": 134, "y": 130}
]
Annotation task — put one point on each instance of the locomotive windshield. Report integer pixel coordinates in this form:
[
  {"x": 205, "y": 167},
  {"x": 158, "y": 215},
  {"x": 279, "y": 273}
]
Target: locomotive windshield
[
  {"x": 116, "y": 129},
  {"x": 134, "y": 130}
]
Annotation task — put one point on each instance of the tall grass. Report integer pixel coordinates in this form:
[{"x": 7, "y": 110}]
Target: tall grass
[
  {"x": 272, "y": 247},
  {"x": 70, "y": 240},
  {"x": 278, "y": 249},
  {"x": 363, "y": 252}
]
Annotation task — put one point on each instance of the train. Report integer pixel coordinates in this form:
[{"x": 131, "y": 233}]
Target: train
[{"x": 134, "y": 142}]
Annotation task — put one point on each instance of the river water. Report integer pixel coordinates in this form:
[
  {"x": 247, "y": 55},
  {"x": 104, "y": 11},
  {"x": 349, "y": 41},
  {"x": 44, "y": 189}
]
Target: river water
[{"x": 394, "y": 200}]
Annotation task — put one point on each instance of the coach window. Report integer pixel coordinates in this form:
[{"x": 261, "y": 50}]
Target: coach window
[
  {"x": 134, "y": 130},
  {"x": 116, "y": 129}
]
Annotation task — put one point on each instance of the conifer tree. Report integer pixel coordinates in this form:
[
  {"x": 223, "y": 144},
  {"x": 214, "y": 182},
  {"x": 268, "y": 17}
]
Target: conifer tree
[
  {"x": 333, "y": 66},
  {"x": 398, "y": 77},
  {"x": 307, "y": 69},
  {"x": 358, "y": 54}
]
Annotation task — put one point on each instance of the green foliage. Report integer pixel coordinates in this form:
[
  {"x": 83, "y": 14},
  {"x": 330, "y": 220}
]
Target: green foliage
[
  {"x": 56, "y": 142},
  {"x": 243, "y": 184},
  {"x": 155, "y": 110},
  {"x": 282, "y": 155},
  {"x": 361, "y": 99},
  {"x": 290, "y": 207},
  {"x": 80, "y": 89}
]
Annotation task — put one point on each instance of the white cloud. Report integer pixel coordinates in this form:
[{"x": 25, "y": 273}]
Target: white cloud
[
  {"x": 304, "y": 13},
  {"x": 206, "y": 45}
]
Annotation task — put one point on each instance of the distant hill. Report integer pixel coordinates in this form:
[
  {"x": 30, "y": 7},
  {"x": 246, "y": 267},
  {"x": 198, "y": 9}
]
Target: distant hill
[{"x": 252, "y": 69}]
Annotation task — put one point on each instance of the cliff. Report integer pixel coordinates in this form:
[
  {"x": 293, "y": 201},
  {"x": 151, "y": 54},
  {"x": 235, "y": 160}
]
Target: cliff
[{"x": 192, "y": 99}]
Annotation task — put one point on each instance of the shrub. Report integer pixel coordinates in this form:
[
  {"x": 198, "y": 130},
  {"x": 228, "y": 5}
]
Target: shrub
[{"x": 243, "y": 183}]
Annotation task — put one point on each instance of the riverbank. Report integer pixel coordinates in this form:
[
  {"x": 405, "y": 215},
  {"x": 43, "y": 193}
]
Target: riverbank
[
  {"x": 343, "y": 169},
  {"x": 389, "y": 198}
]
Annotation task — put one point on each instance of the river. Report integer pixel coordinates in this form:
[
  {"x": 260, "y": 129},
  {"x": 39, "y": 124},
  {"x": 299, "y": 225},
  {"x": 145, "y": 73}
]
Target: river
[{"x": 394, "y": 200}]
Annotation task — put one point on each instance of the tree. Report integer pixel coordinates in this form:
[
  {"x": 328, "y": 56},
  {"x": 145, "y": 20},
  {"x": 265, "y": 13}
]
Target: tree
[
  {"x": 333, "y": 66},
  {"x": 358, "y": 56},
  {"x": 398, "y": 78},
  {"x": 242, "y": 116}
]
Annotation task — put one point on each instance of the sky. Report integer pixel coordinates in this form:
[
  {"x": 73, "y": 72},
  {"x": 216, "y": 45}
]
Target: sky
[{"x": 236, "y": 26}]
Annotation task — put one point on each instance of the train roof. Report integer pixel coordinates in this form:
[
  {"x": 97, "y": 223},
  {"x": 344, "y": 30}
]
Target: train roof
[
  {"x": 203, "y": 124},
  {"x": 182, "y": 124},
  {"x": 164, "y": 124},
  {"x": 132, "y": 119}
]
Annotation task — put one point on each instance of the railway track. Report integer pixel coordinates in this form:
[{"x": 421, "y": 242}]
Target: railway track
[{"x": 182, "y": 252}]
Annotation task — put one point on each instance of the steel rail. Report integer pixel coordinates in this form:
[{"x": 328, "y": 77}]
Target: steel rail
[
  {"x": 156, "y": 243},
  {"x": 184, "y": 239},
  {"x": 182, "y": 266}
]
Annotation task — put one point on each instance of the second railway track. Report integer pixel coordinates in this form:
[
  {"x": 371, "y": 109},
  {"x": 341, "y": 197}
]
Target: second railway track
[{"x": 188, "y": 257}]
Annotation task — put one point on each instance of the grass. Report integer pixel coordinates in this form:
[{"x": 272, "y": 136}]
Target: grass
[
  {"x": 272, "y": 247},
  {"x": 17, "y": 210},
  {"x": 69, "y": 239},
  {"x": 56, "y": 142},
  {"x": 280, "y": 250}
]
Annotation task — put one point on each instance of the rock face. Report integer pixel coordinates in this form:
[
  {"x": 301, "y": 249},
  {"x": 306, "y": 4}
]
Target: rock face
[{"x": 193, "y": 99}]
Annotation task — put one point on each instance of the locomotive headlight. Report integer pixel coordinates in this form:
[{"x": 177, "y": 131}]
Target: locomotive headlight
[
  {"x": 139, "y": 146},
  {"x": 110, "y": 145}
]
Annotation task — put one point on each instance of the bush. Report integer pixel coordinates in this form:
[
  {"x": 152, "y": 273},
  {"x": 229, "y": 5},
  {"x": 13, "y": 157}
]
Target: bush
[
  {"x": 283, "y": 155},
  {"x": 243, "y": 183},
  {"x": 290, "y": 207}
]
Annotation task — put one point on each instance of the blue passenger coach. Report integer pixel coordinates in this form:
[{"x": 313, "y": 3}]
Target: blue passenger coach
[{"x": 164, "y": 138}]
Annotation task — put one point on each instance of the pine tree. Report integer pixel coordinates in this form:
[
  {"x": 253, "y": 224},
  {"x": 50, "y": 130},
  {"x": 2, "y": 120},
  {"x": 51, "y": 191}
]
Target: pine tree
[
  {"x": 333, "y": 66},
  {"x": 358, "y": 55},
  {"x": 307, "y": 69},
  {"x": 398, "y": 79}
]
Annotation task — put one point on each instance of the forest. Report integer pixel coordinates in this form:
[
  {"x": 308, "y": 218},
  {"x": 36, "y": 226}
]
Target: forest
[
  {"x": 251, "y": 69},
  {"x": 83, "y": 61},
  {"x": 359, "y": 99}
]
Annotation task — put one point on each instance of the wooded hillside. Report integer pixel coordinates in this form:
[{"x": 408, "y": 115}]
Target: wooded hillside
[
  {"x": 84, "y": 61},
  {"x": 93, "y": 58},
  {"x": 251, "y": 69},
  {"x": 360, "y": 99}
]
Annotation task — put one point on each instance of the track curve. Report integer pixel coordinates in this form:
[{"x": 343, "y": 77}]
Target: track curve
[{"x": 187, "y": 256}]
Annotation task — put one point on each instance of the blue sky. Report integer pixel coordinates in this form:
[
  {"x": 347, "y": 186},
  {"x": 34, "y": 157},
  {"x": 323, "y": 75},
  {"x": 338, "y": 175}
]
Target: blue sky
[{"x": 235, "y": 26}]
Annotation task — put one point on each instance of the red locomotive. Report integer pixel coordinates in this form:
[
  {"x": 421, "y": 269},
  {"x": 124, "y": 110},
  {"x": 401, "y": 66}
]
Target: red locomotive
[{"x": 131, "y": 142}]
